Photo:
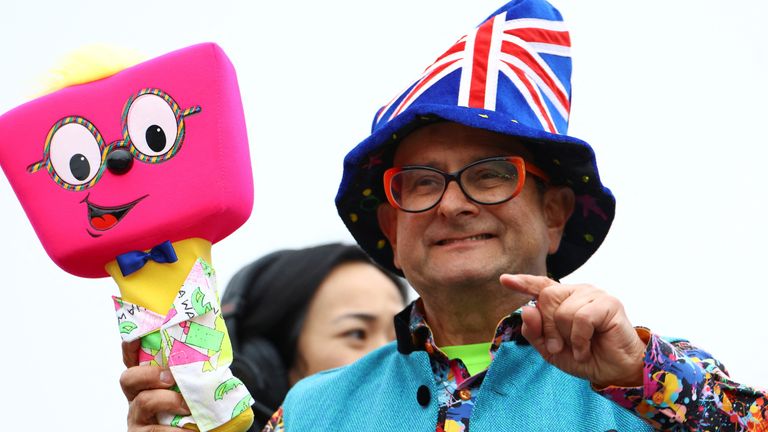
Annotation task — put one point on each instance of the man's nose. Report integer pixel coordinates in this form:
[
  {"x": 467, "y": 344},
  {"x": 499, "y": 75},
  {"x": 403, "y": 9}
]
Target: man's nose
[
  {"x": 455, "y": 202},
  {"x": 119, "y": 161}
]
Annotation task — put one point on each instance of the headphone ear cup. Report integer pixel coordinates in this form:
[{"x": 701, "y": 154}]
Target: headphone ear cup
[{"x": 258, "y": 365}]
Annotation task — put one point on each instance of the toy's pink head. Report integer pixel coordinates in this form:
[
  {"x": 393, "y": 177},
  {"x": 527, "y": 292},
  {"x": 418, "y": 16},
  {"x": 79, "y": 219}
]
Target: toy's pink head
[{"x": 155, "y": 152}]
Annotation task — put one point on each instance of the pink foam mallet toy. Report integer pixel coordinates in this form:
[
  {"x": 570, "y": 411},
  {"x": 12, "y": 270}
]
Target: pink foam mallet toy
[{"x": 135, "y": 176}]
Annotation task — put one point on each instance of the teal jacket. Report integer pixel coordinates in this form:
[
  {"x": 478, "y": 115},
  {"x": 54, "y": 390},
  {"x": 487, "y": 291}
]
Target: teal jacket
[{"x": 394, "y": 389}]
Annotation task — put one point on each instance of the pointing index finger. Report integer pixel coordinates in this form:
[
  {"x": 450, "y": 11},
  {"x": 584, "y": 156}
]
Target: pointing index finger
[{"x": 526, "y": 284}]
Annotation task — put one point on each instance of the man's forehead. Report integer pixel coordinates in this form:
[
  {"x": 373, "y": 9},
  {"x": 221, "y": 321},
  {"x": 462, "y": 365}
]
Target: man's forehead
[{"x": 447, "y": 142}]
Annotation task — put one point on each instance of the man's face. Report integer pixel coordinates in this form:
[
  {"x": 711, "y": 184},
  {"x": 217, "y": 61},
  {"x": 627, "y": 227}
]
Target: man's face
[{"x": 460, "y": 242}]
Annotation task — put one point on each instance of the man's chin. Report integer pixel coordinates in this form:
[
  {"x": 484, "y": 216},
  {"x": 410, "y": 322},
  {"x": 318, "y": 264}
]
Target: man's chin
[{"x": 462, "y": 275}]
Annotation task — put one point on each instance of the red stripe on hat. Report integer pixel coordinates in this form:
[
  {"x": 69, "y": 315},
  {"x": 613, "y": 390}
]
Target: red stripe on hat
[
  {"x": 537, "y": 35},
  {"x": 535, "y": 95},
  {"x": 480, "y": 65},
  {"x": 422, "y": 83},
  {"x": 457, "y": 47},
  {"x": 526, "y": 57}
]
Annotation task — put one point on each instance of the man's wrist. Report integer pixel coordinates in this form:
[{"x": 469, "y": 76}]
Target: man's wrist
[{"x": 635, "y": 378}]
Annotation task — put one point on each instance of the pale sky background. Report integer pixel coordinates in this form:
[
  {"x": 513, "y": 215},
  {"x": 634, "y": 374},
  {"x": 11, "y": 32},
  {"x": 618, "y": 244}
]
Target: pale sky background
[{"x": 671, "y": 94}]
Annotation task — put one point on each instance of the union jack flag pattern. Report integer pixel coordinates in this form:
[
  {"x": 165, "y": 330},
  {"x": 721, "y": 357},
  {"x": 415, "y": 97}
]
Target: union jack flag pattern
[{"x": 503, "y": 65}]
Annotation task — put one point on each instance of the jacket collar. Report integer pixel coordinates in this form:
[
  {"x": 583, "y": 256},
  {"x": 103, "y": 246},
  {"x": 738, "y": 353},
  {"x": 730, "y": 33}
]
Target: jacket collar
[{"x": 413, "y": 333}]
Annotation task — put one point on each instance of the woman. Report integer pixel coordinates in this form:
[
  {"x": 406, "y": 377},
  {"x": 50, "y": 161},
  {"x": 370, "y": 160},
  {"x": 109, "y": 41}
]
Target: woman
[{"x": 293, "y": 313}]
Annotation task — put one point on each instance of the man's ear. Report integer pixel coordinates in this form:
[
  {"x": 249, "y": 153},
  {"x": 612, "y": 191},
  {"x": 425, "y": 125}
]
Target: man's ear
[
  {"x": 559, "y": 202},
  {"x": 387, "y": 216}
]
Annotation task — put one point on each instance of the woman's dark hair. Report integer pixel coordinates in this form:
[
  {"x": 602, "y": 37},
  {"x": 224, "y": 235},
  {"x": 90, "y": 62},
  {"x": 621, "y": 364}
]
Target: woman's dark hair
[{"x": 265, "y": 304}]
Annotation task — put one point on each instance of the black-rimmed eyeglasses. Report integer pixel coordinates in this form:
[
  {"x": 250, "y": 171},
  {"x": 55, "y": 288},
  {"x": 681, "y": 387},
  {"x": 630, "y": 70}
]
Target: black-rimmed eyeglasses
[{"x": 488, "y": 181}]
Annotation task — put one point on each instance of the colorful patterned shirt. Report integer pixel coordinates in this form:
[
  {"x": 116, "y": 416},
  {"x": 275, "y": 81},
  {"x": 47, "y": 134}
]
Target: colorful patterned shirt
[{"x": 684, "y": 387}]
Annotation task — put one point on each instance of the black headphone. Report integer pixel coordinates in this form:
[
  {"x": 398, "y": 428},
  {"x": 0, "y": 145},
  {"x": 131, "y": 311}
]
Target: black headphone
[{"x": 257, "y": 362}]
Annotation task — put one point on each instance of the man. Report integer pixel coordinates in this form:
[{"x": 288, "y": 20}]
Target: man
[{"x": 485, "y": 197}]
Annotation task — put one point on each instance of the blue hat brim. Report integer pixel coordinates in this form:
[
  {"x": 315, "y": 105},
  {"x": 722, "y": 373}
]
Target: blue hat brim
[{"x": 568, "y": 160}]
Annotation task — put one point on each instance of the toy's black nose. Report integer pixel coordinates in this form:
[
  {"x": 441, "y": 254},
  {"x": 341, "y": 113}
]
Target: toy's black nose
[{"x": 119, "y": 161}]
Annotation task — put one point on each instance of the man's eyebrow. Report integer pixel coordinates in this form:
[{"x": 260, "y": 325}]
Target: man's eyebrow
[
  {"x": 356, "y": 315},
  {"x": 430, "y": 163}
]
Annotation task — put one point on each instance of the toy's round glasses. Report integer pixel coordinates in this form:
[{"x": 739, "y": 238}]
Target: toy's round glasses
[
  {"x": 75, "y": 153},
  {"x": 489, "y": 181}
]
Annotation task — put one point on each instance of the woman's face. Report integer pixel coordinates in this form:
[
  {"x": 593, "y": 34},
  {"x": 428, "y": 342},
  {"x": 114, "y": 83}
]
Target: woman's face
[{"x": 349, "y": 316}]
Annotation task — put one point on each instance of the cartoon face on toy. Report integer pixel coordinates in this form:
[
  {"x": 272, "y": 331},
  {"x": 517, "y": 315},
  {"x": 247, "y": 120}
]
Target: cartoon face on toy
[{"x": 155, "y": 152}]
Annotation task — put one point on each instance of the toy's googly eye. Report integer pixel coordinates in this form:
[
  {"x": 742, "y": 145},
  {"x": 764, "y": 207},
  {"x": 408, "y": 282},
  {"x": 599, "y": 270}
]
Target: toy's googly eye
[
  {"x": 152, "y": 125},
  {"x": 75, "y": 154}
]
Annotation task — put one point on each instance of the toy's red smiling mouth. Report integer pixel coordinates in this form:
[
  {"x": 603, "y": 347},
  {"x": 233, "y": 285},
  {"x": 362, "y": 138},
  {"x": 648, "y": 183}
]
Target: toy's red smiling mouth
[{"x": 104, "y": 218}]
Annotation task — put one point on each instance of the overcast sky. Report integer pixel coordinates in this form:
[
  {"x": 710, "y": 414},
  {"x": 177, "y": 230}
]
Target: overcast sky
[{"x": 671, "y": 94}]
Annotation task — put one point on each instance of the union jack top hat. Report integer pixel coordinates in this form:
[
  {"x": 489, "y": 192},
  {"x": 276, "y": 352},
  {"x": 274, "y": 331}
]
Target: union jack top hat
[{"x": 510, "y": 75}]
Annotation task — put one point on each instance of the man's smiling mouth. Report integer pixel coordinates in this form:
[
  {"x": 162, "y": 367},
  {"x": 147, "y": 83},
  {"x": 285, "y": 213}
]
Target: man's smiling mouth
[
  {"x": 105, "y": 218},
  {"x": 463, "y": 239}
]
